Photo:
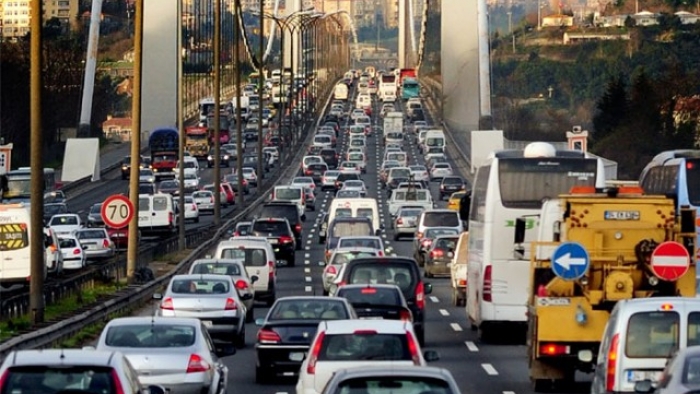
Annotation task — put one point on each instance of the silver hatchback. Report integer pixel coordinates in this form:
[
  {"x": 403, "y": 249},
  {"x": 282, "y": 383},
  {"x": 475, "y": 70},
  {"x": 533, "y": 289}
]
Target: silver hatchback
[
  {"x": 406, "y": 221},
  {"x": 213, "y": 299},
  {"x": 96, "y": 243}
]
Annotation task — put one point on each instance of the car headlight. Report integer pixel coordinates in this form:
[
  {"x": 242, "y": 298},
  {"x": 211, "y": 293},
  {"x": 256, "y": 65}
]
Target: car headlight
[
  {"x": 225, "y": 157},
  {"x": 210, "y": 158}
]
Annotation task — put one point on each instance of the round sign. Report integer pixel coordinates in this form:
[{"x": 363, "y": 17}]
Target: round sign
[
  {"x": 670, "y": 260},
  {"x": 117, "y": 211}
]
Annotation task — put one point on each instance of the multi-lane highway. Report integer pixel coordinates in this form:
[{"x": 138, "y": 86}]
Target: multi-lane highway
[{"x": 478, "y": 367}]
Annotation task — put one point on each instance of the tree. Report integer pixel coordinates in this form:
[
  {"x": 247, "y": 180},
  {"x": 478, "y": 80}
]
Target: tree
[{"x": 612, "y": 109}]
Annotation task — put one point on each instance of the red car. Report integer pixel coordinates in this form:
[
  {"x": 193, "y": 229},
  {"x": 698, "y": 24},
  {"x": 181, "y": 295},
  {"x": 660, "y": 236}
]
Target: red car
[
  {"x": 120, "y": 237},
  {"x": 230, "y": 194}
]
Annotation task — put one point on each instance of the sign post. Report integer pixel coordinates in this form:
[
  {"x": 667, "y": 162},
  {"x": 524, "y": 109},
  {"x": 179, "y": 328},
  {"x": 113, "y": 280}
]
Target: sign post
[
  {"x": 117, "y": 211},
  {"x": 669, "y": 261}
]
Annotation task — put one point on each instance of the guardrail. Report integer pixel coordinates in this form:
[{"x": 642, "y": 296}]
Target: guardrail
[{"x": 134, "y": 296}]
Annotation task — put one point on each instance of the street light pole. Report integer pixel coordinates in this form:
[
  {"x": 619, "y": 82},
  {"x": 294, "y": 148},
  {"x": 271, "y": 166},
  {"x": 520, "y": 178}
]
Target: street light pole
[
  {"x": 182, "y": 243},
  {"x": 237, "y": 78},
  {"x": 261, "y": 87},
  {"x": 217, "y": 112}
]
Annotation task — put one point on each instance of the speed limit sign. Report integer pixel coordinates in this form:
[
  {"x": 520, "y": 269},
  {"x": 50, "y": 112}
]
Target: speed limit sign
[{"x": 117, "y": 211}]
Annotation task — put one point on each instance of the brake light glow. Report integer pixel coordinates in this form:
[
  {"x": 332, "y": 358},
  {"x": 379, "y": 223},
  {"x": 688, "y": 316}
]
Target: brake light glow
[
  {"x": 420, "y": 295},
  {"x": 230, "y": 305},
  {"x": 487, "y": 284},
  {"x": 105, "y": 243},
  {"x": 331, "y": 270},
  {"x": 436, "y": 253},
  {"x": 368, "y": 290},
  {"x": 666, "y": 307},
  {"x": 118, "y": 388},
  {"x": 271, "y": 269},
  {"x": 405, "y": 315},
  {"x": 197, "y": 364},
  {"x": 399, "y": 221},
  {"x": 612, "y": 363},
  {"x": 268, "y": 336},
  {"x": 313, "y": 357},
  {"x": 553, "y": 349},
  {"x": 297, "y": 227},
  {"x": 285, "y": 239},
  {"x": 167, "y": 304},
  {"x": 241, "y": 285},
  {"x": 413, "y": 348}
]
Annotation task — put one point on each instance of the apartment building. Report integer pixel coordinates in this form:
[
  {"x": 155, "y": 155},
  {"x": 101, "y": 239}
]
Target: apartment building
[{"x": 16, "y": 15}]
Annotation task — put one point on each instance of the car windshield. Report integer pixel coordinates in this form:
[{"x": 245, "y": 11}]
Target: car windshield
[
  {"x": 285, "y": 193},
  {"x": 37, "y": 379},
  {"x": 216, "y": 268},
  {"x": 150, "y": 335},
  {"x": 393, "y": 384},
  {"x": 200, "y": 286},
  {"x": 251, "y": 257},
  {"x": 90, "y": 234},
  {"x": 316, "y": 309}
]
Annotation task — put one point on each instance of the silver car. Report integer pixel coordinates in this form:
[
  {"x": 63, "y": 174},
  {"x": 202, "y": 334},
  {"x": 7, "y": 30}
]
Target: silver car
[
  {"x": 147, "y": 176},
  {"x": 236, "y": 270},
  {"x": 175, "y": 353},
  {"x": 407, "y": 378},
  {"x": 213, "y": 299},
  {"x": 681, "y": 375},
  {"x": 204, "y": 200},
  {"x": 341, "y": 256},
  {"x": 406, "y": 222},
  {"x": 355, "y": 185},
  {"x": 96, "y": 243},
  {"x": 328, "y": 179}
]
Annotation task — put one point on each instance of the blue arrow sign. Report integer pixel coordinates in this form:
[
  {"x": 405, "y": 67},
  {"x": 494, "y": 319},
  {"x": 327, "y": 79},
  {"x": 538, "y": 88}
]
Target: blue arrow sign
[{"x": 570, "y": 261}]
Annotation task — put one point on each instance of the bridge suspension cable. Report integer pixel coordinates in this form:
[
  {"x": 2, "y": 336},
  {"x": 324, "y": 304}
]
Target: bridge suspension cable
[{"x": 423, "y": 32}]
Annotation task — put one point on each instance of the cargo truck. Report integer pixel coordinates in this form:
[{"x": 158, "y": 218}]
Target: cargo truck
[
  {"x": 393, "y": 123},
  {"x": 197, "y": 141},
  {"x": 164, "y": 143}
]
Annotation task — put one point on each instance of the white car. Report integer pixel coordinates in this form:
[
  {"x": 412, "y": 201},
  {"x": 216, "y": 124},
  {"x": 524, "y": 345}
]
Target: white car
[
  {"x": 342, "y": 344},
  {"x": 191, "y": 208},
  {"x": 355, "y": 185},
  {"x": 250, "y": 176},
  {"x": 147, "y": 176},
  {"x": 204, "y": 200},
  {"x": 352, "y": 150},
  {"x": 341, "y": 256},
  {"x": 72, "y": 251},
  {"x": 310, "y": 160},
  {"x": 359, "y": 159},
  {"x": 348, "y": 167},
  {"x": 440, "y": 170},
  {"x": 191, "y": 180},
  {"x": 419, "y": 173},
  {"x": 305, "y": 181},
  {"x": 65, "y": 224},
  {"x": 357, "y": 113}
]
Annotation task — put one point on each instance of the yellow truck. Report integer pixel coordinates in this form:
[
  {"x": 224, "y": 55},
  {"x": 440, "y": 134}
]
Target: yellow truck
[
  {"x": 595, "y": 247},
  {"x": 197, "y": 141}
]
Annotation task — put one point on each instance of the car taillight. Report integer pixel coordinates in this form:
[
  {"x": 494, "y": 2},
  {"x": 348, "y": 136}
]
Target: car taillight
[
  {"x": 167, "y": 304},
  {"x": 118, "y": 388},
  {"x": 487, "y": 284},
  {"x": 462, "y": 282},
  {"x": 399, "y": 221},
  {"x": 230, "y": 305},
  {"x": 413, "y": 348},
  {"x": 171, "y": 217},
  {"x": 323, "y": 179},
  {"x": 308, "y": 172},
  {"x": 212, "y": 199},
  {"x": 241, "y": 285},
  {"x": 436, "y": 253},
  {"x": 553, "y": 349},
  {"x": 271, "y": 269},
  {"x": 76, "y": 251},
  {"x": 442, "y": 187},
  {"x": 420, "y": 295},
  {"x": 297, "y": 227},
  {"x": 268, "y": 336},
  {"x": 419, "y": 235},
  {"x": 611, "y": 372},
  {"x": 331, "y": 270},
  {"x": 313, "y": 357},
  {"x": 380, "y": 253},
  {"x": 405, "y": 315},
  {"x": 105, "y": 243},
  {"x": 197, "y": 364},
  {"x": 285, "y": 239}
]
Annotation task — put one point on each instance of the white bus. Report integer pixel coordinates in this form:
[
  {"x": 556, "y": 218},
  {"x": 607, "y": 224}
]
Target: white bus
[{"x": 509, "y": 185}]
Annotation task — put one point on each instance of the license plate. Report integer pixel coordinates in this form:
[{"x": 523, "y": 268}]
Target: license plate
[
  {"x": 636, "y": 376},
  {"x": 297, "y": 356},
  {"x": 372, "y": 318},
  {"x": 207, "y": 323},
  {"x": 273, "y": 241}
]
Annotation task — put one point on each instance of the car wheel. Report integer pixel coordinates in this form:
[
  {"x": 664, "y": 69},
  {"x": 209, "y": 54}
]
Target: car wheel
[{"x": 239, "y": 339}]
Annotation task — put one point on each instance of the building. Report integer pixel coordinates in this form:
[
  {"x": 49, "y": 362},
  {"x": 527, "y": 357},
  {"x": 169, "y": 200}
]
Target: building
[
  {"x": 557, "y": 20},
  {"x": 391, "y": 13},
  {"x": 117, "y": 129},
  {"x": 16, "y": 14}
]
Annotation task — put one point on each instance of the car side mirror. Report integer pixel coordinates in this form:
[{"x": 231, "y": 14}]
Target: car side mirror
[
  {"x": 427, "y": 288},
  {"x": 643, "y": 386},
  {"x": 157, "y": 296},
  {"x": 431, "y": 355},
  {"x": 254, "y": 278},
  {"x": 259, "y": 322},
  {"x": 85, "y": 247},
  {"x": 378, "y": 232}
]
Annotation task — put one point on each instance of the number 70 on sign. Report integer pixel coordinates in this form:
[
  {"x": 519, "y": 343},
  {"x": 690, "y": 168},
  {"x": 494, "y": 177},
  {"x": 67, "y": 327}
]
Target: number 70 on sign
[{"x": 117, "y": 211}]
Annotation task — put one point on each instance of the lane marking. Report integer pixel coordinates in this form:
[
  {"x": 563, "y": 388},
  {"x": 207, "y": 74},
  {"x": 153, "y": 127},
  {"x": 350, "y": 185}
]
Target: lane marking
[
  {"x": 489, "y": 369},
  {"x": 434, "y": 299},
  {"x": 444, "y": 312},
  {"x": 307, "y": 255},
  {"x": 307, "y": 248},
  {"x": 307, "y": 270},
  {"x": 308, "y": 289},
  {"x": 307, "y": 262},
  {"x": 456, "y": 327},
  {"x": 509, "y": 392},
  {"x": 471, "y": 346},
  {"x": 308, "y": 279}
]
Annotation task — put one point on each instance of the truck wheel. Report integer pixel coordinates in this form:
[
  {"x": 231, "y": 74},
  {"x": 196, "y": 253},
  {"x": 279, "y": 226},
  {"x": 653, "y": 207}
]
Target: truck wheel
[
  {"x": 541, "y": 385},
  {"x": 455, "y": 297}
]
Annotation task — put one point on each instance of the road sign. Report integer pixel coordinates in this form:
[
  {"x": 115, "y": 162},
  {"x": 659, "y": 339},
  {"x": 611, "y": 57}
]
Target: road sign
[
  {"x": 670, "y": 261},
  {"x": 117, "y": 211},
  {"x": 570, "y": 260}
]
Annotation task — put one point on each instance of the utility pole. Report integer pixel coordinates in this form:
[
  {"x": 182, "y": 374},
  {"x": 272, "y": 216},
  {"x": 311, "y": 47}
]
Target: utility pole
[
  {"x": 217, "y": 112},
  {"x": 36, "y": 241},
  {"x": 237, "y": 81},
  {"x": 133, "y": 244},
  {"x": 182, "y": 242},
  {"x": 261, "y": 87}
]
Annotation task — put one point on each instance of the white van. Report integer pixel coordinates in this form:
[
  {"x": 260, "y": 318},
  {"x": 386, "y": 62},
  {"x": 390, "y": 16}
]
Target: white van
[
  {"x": 640, "y": 337},
  {"x": 355, "y": 207},
  {"x": 363, "y": 101},
  {"x": 388, "y": 95},
  {"x": 258, "y": 259},
  {"x": 157, "y": 213},
  {"x": 293, "y": 194},
  {"x": 458, "y": 271},
  {"x": 15, "y": 223},
  {"x": 434, "y": 139},
  {"x": 341, "y": 91},
  {"x": 413, "y": 197}
]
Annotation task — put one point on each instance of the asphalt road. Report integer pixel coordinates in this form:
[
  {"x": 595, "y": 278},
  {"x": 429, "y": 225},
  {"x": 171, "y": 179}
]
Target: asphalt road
[{"x": 477, "y": 367}]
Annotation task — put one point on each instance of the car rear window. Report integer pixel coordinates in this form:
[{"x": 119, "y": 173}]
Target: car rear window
[
  {"x": 67, "y": 243},
  {"x": 398, "y": 274},
  {"x": 90, "y": 234},
  {"x": 399, "y": 172},
  {"x": 370, "y": 346},
  {"x": 365, "y": 213},
  {"x": 317, "y": 309},
  {"x": 200, "y": 286},
  {"x": 370, "y": 295},
  {"x": 447, "y": 219},
  {"x": 288, "y": 212},
  {"x": 652, "y": 334},
  {"x": 446, "y": 243},
  {"x": 216, "y": 268},
  {"x": 393, "y": 384},
  {"x": 453, "y": 181},
  {"x": 150, "y": 336},
  {"x": 41, "y": 379},
  {"x": 349, "y": 229},
  {"x": 270, "y": 227},
  {"x": 251, "y": 257},
  {"x": 287, "y": 193},
  {"x": 343, "y": 212},
  {"x": 160, "y": 203},
  {"x": 435, "y": 232},
  {"x": 344, "y": 257}
]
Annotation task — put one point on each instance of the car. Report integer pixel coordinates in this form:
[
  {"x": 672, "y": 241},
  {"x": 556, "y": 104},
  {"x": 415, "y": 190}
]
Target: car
[
  {"x": 406, "y": 379},
  {"x": 356, "y": 185},
  {"x": 232, "y": 180},
  {"x": 341, "y": 344},
  {"x": 120, "y": 237},
  {"x": 211, "y": 298},
  {"x": 310, "y": 159},
  {"x": 342, "y": 177},
  {"x": 72, "y": 251},
  {"x": 96, "y": 242},
  {"x": 224, "y": 158},
  {"x": 94, "y": 218},
  {"x": 54, "y": 209},
  {"x": 258, "y": 257},
  {"x": 328, "y": 179},
  {"x": 55, "y": 197},
  {"x": 70, "y": 371},
  {"x": 191, "y": 208},
  {"x": 279, "y": 234},
  {"x": 286, "y": 332},
  {"x": 346, "y": 193},
  {"x": 453, "y": 202},
  {"x": 400, "y": 271},
  {"x": 349, "y": 167},
  {"x": 169, "y": 186},
  {"x": 366, "y": 241},
  {"x": 147, "y": 175},
  {"x": 439, "y": 257},
  {"x": 175, "y": 353},
  {"x": 236, "y": 270},
  {"x": 451, "y": 184},
  {"x": 126, "y": 166},
  {"x": 376, "y": 301},
  {"x": 204, "y": 200},
  {"x": 304, "y": 181},
  {"x": 347, "y": 226},
  {"x": 422, "y": 245},
  {"x": 681, "y": 375},
  {"x": 316, "y": 171},
  {"x": 330, "y": 157},
  {"x": 406, "y": 221},
  {"x": 419, "y": 173},
  {"x": 65, "y": 224},
  {"x": 289, "y": 211},
  {"x": 339, "y": 257},
  {"x": 309, "y": 198},
  {"x": 242, "y": 229}
]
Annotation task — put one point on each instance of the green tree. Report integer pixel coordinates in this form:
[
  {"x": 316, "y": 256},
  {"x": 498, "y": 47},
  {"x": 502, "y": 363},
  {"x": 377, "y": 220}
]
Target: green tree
[{"x": 612, "y": 108}]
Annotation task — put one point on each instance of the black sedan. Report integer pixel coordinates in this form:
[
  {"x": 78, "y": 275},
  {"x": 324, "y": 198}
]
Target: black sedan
[
  {"x": 286, "y": 333},
  {"x": 451, "y": 184},
  {"x": 372, "y": 301},
  {"x": 94, "y": 218}
]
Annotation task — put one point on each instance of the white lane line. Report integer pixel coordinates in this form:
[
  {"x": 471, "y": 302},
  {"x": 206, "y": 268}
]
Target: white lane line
[
  {"x": 489, "y": 369},
  {"x": 471, "y": 346},
  {"x": 456, "y": 327},
  {"x": 307, "y": 270},
  {"x": 434, "y": 299},
  {"x": 307, "y": 255},
  {"x": 307, "y": 262},
  {"x": 308, "y": 242},
  {"x": 307, "y": 248},
  {"x": 307, "y": 279},
  {"x": 444, "y": 312},
  {"x": 312, "y": 230},
  {"x": 509, "y": 392},
  {"x": 308, "y": 289}
]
